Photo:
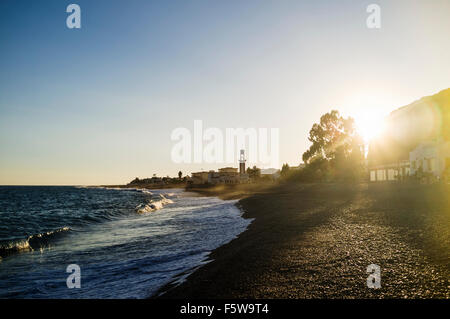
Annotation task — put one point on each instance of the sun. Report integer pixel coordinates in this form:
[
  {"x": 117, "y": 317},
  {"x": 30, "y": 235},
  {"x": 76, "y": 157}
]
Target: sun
[
  {"x": 369, "y": 108},
  {"x": 369, "y": 123}
]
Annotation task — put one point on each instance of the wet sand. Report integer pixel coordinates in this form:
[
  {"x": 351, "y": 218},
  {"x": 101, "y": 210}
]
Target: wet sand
[{"x": 316, "y": 241}]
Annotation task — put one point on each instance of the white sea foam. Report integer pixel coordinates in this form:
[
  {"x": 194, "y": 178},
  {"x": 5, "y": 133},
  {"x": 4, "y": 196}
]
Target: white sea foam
[
  {"x": 31, "y": 243},
  {"x": 153, "y": 205},
  {"x": 126, "y": 189}
]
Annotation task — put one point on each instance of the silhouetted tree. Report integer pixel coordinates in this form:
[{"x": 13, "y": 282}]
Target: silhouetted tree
[
  {"x": 284, "y": 170},
  {"x": 180, "y": 174},
  {"x": 134, "y": 181},
  {"x": 335, "y": 140}
]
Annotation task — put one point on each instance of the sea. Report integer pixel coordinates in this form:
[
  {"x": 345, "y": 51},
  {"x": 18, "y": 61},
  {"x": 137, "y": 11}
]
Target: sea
[{"x": 124, "y": 243}]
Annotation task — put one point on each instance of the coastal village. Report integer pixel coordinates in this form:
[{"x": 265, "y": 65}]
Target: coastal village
[
  {"x": 225, "y": 175},
  {"x": 232, "y": 175},
  {"x": 414, "y": 147}
]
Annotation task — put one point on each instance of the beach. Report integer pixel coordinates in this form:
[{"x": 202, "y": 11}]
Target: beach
[{"x": 317, "y": 240}]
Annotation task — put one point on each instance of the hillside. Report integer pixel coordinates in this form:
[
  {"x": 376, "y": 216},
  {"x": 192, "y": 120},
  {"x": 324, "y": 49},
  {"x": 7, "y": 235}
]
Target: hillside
[{"x": 423, "y": 120}]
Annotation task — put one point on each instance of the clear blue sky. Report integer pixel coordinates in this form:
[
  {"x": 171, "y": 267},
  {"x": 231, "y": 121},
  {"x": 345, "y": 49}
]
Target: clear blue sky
[{"x": 97, "y": 105}]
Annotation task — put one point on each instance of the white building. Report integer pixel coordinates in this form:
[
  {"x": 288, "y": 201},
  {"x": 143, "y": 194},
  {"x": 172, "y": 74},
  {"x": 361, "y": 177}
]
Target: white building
[
  {"x": 429, "y": 161},
  {"x": 390, "y": 172},
  {"x": 226, "y": 175},
  {"x": 432, "y": 158}
]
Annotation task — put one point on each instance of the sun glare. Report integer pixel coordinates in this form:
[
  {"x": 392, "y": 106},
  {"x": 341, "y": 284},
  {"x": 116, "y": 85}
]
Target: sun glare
[
  {"x": 369, "y": 124},
  {"x": 369, "y": 109}
]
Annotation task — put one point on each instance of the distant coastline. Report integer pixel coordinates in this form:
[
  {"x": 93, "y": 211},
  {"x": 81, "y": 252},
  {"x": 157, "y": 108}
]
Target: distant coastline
[{"x": 156, "y": 186}]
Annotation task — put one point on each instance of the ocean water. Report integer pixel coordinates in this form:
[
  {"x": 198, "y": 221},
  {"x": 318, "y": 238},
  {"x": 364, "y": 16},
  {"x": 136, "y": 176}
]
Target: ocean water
[{"x": 127, "y": 242}]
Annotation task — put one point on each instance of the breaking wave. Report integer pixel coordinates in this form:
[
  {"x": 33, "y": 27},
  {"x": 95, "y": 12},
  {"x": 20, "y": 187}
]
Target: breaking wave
[
  {"x": 33, "y": 242},
  {"x": 153, "y": 205}
]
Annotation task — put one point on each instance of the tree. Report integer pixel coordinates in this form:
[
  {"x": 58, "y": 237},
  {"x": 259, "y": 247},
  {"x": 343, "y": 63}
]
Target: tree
[
  {"x": 135, "y": 181},
  {"x": 180, "y": 174},
  {"x": 284, "y": 170},
  {"x": 335, "y": 140},
  {"x": 254, "y": 172}
]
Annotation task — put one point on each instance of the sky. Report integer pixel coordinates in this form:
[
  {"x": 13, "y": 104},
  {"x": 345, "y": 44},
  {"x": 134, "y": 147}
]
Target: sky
[{"x": 97, "y": 105}]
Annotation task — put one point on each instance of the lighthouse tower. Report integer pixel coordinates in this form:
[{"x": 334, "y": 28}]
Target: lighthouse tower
[{"x": 242, "y": 162}]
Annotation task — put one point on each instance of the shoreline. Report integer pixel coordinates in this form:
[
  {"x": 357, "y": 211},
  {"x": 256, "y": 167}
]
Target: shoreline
[
  {"x": 316, "y": 241},
  {"x": 223, "y": 192}
]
